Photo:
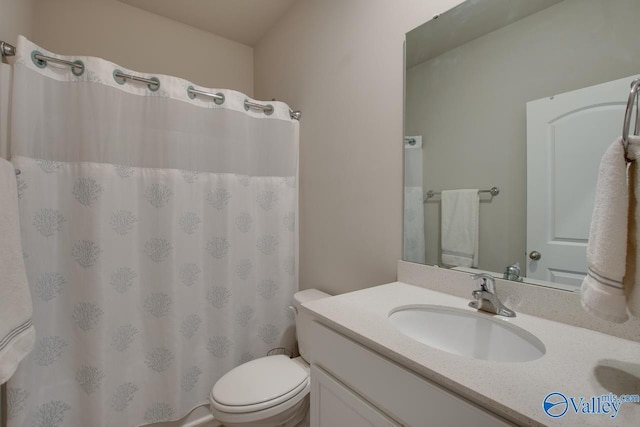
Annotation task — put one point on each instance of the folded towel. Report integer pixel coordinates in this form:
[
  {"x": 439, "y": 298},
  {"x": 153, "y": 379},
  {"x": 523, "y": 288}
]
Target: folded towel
[
  {"x": 631, "y": 279},
  {"x": 460, "y": 212},
  {"x": 17, "y": 334},
  {"x": 602, "y": 291}
]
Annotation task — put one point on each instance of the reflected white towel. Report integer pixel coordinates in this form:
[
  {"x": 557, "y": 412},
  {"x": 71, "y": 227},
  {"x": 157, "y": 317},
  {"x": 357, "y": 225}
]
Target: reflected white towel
[
  {"x": 460, "y": 218},
  {"x": 602, "y": 292},
  {"x": 17, "y": 334}
]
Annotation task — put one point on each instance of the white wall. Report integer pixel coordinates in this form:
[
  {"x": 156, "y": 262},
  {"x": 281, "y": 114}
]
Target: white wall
[
  {"x": 341, "y": 63},
  {"x": 142, "y": 41},
  {"x": 16, "y": 17}
]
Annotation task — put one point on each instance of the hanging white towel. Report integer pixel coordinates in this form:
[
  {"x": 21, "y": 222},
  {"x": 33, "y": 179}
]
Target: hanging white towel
[
  {"x": 460, "y": 218},
  {"x": 602, "y": 291},
  {"x": 17, "y": 334},
  {"x": 631, "y": 281}
]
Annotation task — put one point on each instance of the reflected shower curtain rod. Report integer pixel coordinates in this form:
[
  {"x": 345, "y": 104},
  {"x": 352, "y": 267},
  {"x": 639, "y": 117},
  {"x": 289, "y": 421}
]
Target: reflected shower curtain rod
[{"x": 7, "y": 49}]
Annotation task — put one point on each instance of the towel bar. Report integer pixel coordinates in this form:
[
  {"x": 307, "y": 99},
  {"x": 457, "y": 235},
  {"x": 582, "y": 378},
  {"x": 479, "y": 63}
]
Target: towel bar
[{"x": 493, "y": 190}]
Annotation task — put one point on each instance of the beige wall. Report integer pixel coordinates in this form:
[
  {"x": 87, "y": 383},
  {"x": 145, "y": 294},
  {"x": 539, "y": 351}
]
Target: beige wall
[
  {"x": 341, "y": 63},
  {"x": 16, "y": 17},
  {"x": 469, "y": 105},
  {"x": 142, "y": 41}
]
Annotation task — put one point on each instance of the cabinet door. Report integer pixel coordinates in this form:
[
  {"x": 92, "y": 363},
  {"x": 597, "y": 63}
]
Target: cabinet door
[{"x": 333, "y": 404}]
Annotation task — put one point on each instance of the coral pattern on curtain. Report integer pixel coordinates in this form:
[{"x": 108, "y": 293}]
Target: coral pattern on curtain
[{"x": 160, "y": 242}]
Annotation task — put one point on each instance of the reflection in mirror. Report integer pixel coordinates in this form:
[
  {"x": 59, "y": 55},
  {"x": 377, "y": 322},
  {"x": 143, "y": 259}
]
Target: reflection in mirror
[{"x": 524, "y": 96}]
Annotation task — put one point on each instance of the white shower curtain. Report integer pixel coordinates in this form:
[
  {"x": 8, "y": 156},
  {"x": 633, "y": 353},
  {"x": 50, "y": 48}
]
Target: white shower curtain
[
  {"x": 159, "y": 237},
  {"x": 414, "y": 250}
]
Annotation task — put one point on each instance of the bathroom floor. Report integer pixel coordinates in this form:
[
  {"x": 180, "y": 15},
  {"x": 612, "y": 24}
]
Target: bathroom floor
[
  {"x": 305, "y": 423},
  {"x": 192, "y": 420}
]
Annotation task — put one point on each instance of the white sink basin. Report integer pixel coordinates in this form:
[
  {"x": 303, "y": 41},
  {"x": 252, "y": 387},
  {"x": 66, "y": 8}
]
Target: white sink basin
[{"x": 465, "y": 333}]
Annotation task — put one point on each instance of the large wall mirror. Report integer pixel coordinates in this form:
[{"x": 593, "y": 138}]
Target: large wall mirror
[{"x": 524, "y": 96}]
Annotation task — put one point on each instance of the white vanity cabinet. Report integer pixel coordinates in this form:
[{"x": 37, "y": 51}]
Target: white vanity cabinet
[
  {"x": 334, "y": 404},
  {"x": 354, "y": 386}
]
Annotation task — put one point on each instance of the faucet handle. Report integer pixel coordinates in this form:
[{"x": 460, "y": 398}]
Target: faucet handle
[
  {"x": 486, "y": 298},
  {"x": 487, "y": 281}
]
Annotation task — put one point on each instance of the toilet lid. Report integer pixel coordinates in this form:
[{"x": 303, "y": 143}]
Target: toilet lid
[{"x": 271, "y": 379}]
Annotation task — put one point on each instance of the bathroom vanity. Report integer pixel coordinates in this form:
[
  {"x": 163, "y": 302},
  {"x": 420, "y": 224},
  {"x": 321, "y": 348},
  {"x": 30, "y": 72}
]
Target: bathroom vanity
[
  {"x": 352, "y": 385},
  {"x": 366, "y": 372}
]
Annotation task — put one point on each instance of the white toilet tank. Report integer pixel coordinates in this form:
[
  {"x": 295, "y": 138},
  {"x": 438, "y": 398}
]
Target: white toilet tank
[{"x": 303, "y": 320}]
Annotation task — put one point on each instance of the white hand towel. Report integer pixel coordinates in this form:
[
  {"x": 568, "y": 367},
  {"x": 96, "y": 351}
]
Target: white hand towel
[
  {"x": 17, "y": 334},
  {"x": 602, "y": 291},
  {"x": 631, "y": 279},
  {"x": 460, "y": 228}
]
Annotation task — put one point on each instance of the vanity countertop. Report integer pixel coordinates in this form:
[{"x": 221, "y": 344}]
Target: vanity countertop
[{"x": 578, "y": 362}]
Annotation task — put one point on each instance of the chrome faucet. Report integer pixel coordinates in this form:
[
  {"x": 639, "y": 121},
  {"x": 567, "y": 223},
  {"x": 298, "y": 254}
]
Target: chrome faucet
[{"x": 486, "y": 297}]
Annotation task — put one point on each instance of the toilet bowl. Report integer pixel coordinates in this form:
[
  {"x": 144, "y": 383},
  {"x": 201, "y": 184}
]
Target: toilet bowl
[{"x": 271, "y": 391}]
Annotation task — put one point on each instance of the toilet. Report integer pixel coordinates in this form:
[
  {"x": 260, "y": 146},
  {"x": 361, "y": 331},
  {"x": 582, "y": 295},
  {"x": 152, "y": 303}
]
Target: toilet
[{"x": 272, "y": 391}]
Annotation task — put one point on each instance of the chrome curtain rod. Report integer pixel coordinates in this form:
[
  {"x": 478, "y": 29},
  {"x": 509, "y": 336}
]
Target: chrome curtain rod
[
  {"x": 153, "y": 83},
  {"x": 493, "y": 190},
  {"x": 6, "y": 49}
]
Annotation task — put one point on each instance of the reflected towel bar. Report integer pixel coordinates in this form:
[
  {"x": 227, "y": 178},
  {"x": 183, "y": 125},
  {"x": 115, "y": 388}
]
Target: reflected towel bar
[{"x": 494, "y": 191}]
